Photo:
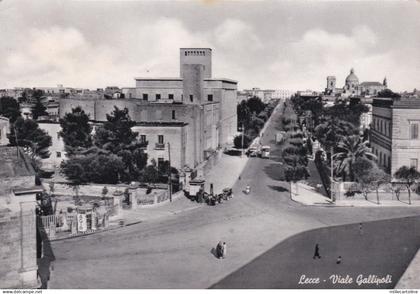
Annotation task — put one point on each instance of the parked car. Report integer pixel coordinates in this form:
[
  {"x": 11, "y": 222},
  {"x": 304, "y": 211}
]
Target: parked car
[
  {"x": 252, "y": 151},
  {"x": 265, "y": 151}
]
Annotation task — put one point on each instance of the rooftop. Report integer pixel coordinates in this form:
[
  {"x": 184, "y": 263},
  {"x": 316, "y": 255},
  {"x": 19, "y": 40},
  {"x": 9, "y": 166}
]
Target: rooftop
[
  {"x": 14, "y": 163},
  {"x": 371, "y": 84},
  {"x": 398, "y": 103}
]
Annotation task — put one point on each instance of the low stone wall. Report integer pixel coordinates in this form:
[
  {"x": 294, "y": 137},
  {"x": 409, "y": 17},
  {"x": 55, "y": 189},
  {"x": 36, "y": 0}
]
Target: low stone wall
[
  {"x": 154, "y": 197},
  {"x": 351, "y": 191},
  {"x": 211, "y": 162},
  {"x": 138, "y": 196},
  {"x": 18, "y": 249},
  {"x": 410, "y": 279}
]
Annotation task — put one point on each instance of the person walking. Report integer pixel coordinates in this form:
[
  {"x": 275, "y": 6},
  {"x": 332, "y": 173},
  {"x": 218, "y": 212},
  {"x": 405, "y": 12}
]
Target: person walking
[
  {"x": 361, "y": 229},
  {"x": 224, "y": 247},
  {"x": 338, "y": 260},
  {"x": 316, "y": 254}
]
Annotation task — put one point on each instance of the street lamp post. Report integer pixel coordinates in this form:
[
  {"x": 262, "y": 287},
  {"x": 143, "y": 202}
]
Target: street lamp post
[
  {"x": 242, "y": 145},
  {"x": 169, "y": 173},
  {"x": 332, "y": 175}
]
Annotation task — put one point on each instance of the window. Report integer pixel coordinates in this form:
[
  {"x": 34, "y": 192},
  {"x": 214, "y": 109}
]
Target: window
[
  {"x": 161, "y": 161},
  {"x": 143, "y": 138},
  {"x": 414, "y": 163},
  {"x": 160, "y": 139},
  {"x": 191, "y": 98},
  {"x": 173, "y": 114},
  {"x": 171, "y": 96},
  {"x": 210, "y": 97},
  {"x": 58, "y": 154},
  {"x": 414, "y": 131},
  {"x": 157, "y": 96},
  {"x": 145, "y": 97}
]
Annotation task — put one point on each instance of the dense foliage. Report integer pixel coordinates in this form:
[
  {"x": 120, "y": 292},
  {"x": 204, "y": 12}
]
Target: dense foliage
[
  {"x": 27, "y": 134},
  {"x": 113, "y": 154},
  {"x": 9, "y": 108},
  {"x": 76, "y": 130}
]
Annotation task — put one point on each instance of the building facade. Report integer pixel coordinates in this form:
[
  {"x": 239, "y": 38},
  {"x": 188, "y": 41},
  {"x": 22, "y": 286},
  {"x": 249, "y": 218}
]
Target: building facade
[
  {"x": 18, "y": 252},
  {"x": 394, "y": 137},
  {"x": 352, "y": 87},
  {"x": 4, "y": 130}
]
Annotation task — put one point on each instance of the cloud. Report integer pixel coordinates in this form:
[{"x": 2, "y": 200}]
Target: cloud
[
  {"x": 307, "y": 62},
  {"x": 57, "y": 54},
  {"x": 236, "y": 35},
  {"x": 274, "y": 45}
]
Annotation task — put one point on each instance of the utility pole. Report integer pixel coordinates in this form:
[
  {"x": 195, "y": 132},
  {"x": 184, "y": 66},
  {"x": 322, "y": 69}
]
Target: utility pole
[
  {"x": 169, "y": 173},
  {"x": 17, "y": 144},
  {"x": 332, "y": 173}
]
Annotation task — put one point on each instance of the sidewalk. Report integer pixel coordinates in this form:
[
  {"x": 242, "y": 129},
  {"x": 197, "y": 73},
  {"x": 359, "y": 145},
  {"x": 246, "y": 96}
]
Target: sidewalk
[
  {"x": 178, "y": 205},
  {"x": 410, "y": 278},
  {"x": 307, "y": 195}
]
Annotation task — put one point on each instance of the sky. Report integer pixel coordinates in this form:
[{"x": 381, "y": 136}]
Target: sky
[{"x": 267, "y": 44}]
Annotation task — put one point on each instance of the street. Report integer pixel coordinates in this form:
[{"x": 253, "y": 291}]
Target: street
[{"x": 176, "y": 251}]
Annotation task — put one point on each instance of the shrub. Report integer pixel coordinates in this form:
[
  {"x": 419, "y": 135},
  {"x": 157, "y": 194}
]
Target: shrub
[{"x": 237, "y": 141}]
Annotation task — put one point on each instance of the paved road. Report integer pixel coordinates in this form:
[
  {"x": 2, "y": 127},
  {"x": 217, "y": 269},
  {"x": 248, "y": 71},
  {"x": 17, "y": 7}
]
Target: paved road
[{"x": 176, "y": 251}]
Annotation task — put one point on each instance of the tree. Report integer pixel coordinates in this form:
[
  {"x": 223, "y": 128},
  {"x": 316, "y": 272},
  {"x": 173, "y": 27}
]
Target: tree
[
  {"x": 243, "y": 113},
  {"x": 117, "y": 137},
  {"x": 387, "y": 93},
  {"x": 9, "y": 108},
  {"x": 151, "y": 173},
  {"x": 115, "y": 134},
  {"x": 371, "y": 177},
  {"x": 76, "y": 130},
  {"x": 351, "y": 148},
  {"x": 97, "y": 167},
  {"x": 361, "y": 169},
  {"x": 27, "y": 134},
  {"x": 331, "y": 131},
  {"x": 378, "y": 178},
  {"x": 409, "y": 176},
  {"x": 347, "y": 110},
  {"x": 255, "y": 124}
]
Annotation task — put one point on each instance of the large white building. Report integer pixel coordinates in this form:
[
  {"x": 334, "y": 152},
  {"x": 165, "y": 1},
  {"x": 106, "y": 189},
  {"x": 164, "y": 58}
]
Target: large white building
[{"x": 195, "y": 112}]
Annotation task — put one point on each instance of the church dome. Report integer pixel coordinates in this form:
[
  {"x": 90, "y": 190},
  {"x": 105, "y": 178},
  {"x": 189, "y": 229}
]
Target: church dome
[{"x": 352, "y": 78}]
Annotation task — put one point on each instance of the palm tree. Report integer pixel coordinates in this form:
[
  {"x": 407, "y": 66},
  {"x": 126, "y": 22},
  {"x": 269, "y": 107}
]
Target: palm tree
[
  {"x": 352, "y": 148},
  {"x": 409, "y": 176}
]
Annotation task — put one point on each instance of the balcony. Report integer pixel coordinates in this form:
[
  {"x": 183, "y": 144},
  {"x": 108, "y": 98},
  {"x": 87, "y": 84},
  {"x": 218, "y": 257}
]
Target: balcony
[{"x": 159, "y": 146}]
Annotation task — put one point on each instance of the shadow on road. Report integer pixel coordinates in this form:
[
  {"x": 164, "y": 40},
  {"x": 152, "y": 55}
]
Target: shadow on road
[
  {"x": 275, "y": 171},
  {"x": 279, "y": 188},
  {"x": 381, "y": 248},
  {"x": 47, "y": 257}
]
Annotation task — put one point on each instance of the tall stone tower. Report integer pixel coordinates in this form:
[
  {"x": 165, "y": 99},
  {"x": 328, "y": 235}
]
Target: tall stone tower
[
  {"x": 330, "y": 89},
  {"x": 196, "y": 56}
]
